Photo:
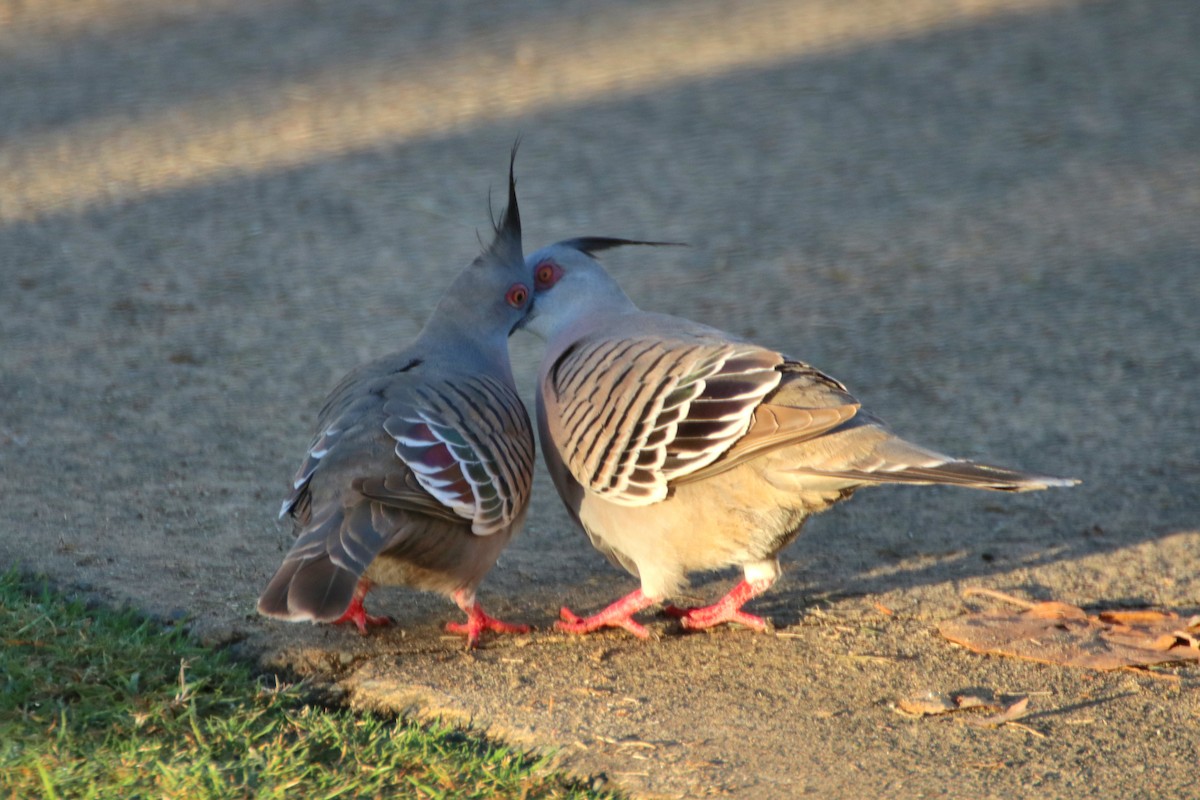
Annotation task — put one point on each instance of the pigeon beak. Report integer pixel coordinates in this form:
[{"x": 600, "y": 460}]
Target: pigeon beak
[{"x": 530, "y": 313}]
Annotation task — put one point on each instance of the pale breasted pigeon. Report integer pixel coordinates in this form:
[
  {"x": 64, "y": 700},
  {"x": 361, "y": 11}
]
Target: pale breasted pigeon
[
  {"x": 681, "y": 448},
  {"x": 421, "y": 467}
]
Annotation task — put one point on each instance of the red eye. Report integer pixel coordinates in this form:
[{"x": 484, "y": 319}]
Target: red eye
[
  {"x": 547, "y": 274},
  {"x": 517, "y": 295}
]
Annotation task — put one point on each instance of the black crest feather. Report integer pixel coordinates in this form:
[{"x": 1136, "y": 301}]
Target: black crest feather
[
  {"x": 594, "y": 244},
  {"x": 506, "y": 243}
]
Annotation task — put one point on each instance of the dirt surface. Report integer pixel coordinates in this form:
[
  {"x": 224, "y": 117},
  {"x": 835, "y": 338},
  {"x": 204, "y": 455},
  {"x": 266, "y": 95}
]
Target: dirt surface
[{"x": 982, "y": 216}]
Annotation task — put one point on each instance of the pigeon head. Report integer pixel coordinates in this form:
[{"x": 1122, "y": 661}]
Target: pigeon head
[
  {"x": 570, "y": 283},
  {"x": 491, "y": 296}
]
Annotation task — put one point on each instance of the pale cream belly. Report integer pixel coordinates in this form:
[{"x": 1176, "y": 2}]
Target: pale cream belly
[{"x": 731, "y": 519}]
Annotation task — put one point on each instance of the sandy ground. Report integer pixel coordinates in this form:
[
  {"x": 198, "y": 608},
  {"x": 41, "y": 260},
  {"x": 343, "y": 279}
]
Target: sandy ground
[{"x": 982, "y": 216}]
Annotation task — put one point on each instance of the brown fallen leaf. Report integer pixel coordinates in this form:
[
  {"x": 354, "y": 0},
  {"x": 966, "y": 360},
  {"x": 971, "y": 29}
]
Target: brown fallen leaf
[
  {"x": 1059, "y": 633},
  {"x": 974, "y": 701},
  {"x": 931, "y": 704},
  {"x": 927, "y": 705},
  {"x": 1011, "y": 714}
]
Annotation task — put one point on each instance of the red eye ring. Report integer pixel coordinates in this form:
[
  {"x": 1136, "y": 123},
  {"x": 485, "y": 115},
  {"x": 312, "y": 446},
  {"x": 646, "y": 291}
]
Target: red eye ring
[
  {"x": 517, "y": 294},
  {"x": 546, "y": 274}
]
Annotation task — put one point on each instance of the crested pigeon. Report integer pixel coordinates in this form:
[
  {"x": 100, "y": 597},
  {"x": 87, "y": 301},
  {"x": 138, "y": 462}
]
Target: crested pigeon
[
  {"x": 421, "y": 468},
  {"x": 680, "y": 448}
]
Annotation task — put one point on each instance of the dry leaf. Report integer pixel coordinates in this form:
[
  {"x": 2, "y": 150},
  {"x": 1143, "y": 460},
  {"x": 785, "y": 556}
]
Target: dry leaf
[
  {"x": 974, "y": 701},
  {"x": 931, "y": 704},
  {"x": 927, "y": 705},
  {"x": 1010, "y": 714},
  {"x": 1059, "y": 633}
]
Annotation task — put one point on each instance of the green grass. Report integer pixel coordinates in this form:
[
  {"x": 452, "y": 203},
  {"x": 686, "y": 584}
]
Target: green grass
[{"x": 107, "y": 704}]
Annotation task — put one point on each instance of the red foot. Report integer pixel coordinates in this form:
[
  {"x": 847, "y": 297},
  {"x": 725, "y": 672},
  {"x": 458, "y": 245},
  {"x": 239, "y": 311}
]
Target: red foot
[
  {"x": 478, "y": 621},
  {"x": 618, "y": 615},
  {"x": 358, "y": 615},
  {"x": 727, "y": 609}
]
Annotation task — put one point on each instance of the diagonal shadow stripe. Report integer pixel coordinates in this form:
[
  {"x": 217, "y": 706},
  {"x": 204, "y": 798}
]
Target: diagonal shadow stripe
[{"x": 281, "y": 122}]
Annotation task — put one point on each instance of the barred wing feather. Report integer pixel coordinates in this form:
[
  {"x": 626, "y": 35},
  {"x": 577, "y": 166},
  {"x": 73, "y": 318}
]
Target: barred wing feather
[
  {"x": 639, "y": 412},
  {"x": 469, "y": 445}
]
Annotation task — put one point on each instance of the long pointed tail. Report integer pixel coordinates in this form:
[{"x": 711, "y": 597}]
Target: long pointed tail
[
  {"x": 968, "y": 474},
  {"x": 870, "y": 453}
]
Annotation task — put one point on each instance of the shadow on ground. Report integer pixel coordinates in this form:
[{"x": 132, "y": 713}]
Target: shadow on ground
[{"x": 985, "y": 226}]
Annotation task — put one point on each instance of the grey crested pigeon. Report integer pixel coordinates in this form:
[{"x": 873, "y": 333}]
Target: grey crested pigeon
[
  {"x": 681, "y": 448},
  {"x": 421, "y": 467}
]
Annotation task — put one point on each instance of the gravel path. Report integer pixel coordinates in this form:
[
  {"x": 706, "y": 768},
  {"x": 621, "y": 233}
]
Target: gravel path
[{"x": 982, "y": 216}]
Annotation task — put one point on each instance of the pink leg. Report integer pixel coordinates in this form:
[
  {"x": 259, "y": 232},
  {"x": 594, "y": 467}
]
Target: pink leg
[
  {"x": 477, "y": 620},
  {"x": 727, "y": 609},
  {"x": 357, "y": 614},
  {"x": 618, "y": 615}
]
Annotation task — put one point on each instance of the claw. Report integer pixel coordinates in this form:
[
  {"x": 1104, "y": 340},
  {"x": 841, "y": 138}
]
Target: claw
[
  {"x": 478, "y": 620},
  {"x": 727, "y": 609},
  {"x": 357, "y": 613},
  {"x": 618, "y": 615}
]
